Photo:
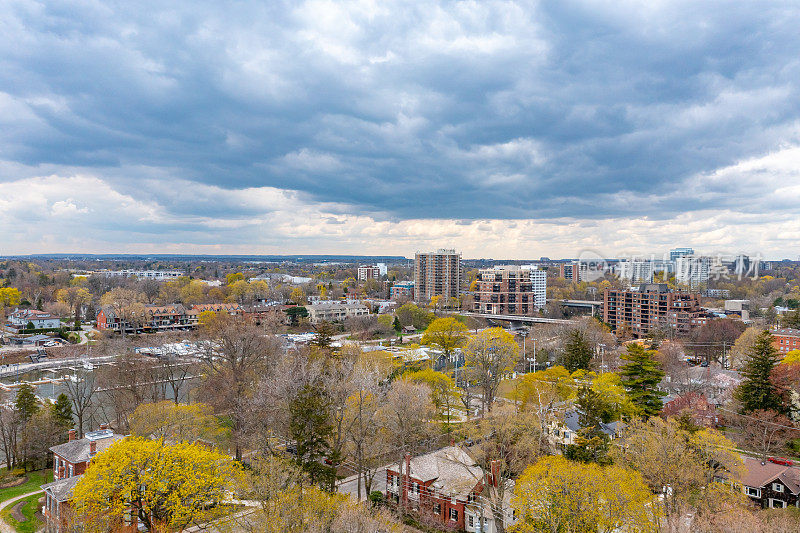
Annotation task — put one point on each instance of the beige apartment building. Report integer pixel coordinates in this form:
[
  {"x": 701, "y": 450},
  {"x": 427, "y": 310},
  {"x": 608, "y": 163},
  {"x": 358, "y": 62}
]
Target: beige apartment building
[{"x": 437, "y": 274}]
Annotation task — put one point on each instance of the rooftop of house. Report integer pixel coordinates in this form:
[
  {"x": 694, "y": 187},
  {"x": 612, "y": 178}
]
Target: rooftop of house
[
  {"x": 77, "y": 451},
  {"x": 61, "y": 490},
  {"x": 572, "y": 419},
  {"x": 760, "y": 473},
  {"x": 787, "y": 332},
  {"x": 452, "y": 470}
]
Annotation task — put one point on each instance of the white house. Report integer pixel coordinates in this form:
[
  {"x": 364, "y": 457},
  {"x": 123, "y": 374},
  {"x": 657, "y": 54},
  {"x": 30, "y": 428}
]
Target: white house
[{"x": 20, "y": 318}]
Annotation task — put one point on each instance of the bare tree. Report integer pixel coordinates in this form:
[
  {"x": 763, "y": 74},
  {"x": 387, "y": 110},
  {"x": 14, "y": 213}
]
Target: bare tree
[
  {"x": 81, "y": 390},
  {"x": 237, "y": 355}
]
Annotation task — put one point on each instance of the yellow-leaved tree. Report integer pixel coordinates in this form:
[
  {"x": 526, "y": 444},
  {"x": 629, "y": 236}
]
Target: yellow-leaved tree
[
  {"x": 446, "y": 333},
  {"x": 166, "y": 487},
  {"x": 557, "y": 494},
  {"x": 171, "y": 422},
  {"x": 488, "y": 357},
  {"x": 445, "y": 395}
]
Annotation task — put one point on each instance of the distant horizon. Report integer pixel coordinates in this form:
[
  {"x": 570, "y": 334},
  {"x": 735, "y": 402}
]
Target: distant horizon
[{"x": 330, "y": 257}]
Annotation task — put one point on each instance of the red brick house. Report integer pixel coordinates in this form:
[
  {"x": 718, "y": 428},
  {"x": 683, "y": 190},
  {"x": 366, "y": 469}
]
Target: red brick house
[
  {"x": 702, "y": 412},
  {"x": 443, "y": 487},
  {"x": 70, "y": 461}
]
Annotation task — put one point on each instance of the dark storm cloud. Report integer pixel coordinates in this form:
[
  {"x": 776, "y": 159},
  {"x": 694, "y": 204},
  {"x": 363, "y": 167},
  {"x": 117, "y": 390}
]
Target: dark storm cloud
[{"x": 462, "y": 110}]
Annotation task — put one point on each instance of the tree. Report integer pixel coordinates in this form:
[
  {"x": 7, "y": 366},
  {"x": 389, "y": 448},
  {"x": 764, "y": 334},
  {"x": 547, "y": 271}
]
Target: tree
[
  {"x": 325, "y": 332},
  {"x": 75, "y": 297},
  {"x": 298, "y": 296},
  {"x": 444, "y": 393},
  {"x": 26, "y": 403},
  {"x": 676, "y": 464},
  {"x": 446, "y": 333},
  {"x": 765, "y": 432},
  {"x": 237, "y": 354},
  {"x": 81, "y": 391},
  {"x": 556, "y": 494},
  {"x": 487, "y": 357},
  {"x": 577, "y": 352},
  {"x": 62, "y": 411},
  {"x": 296, "y": 313},
  {"x": 411, "y": 315},
  {"x": 168, "y": 487},
  {"x": 9, "y": 296},
  {"x": 742, "y": 347},
  {"x": 640, "y": 376},
  {"x": 756, "y": 392},
  {"x": 171, "y": 423},
  {"x": 591, "y": 444},
  {"x": 310, "y": 428}
]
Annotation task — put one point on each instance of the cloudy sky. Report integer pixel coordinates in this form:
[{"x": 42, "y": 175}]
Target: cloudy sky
[{"x": 503, "y": 129}]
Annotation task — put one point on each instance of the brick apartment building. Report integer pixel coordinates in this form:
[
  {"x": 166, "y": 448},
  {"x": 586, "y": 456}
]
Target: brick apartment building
[
  {"x": 651, "y": 306},
  {"x": 570, "y": 271},
  {"x": 437, "y": 274},
  {"x": 444, "y": 487},
  {"x": 510, "y": 290},
  {"x": 70, "y": 461},
  {"x": 786, "y": 339}
]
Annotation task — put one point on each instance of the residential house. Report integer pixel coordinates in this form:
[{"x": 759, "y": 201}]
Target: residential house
[
  {"x": 696, "y": 404},
  {"x": 20, "y": 319},
  {"x": 563, "y": 432},
  {"x": 446, "y": 487},
  {"x": 774, "y": 483},
  {"x": 70, "y": 461},
  {"x": 786, "y": 339}
]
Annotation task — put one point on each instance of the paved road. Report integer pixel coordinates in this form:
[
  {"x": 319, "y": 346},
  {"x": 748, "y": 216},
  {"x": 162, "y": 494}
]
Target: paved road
[
  {"x": 349, "y": 485},
  {"x": 4, "y": 527}
]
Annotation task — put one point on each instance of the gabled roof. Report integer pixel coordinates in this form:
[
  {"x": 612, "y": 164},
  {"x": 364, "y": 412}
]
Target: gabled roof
[
  {"x": 62, "y": 489},
  {"x": 77, "y": 451},
  {"x": 572, "y": 419},
  {"x": 760, "y": 474}
]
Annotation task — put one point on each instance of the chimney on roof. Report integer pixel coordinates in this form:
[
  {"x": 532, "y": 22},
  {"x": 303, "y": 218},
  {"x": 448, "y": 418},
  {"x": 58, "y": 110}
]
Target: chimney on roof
[
  {"x": 495, "y": 467},
  {"x": 71, "y": 435},
  {"x": 92, "y": 448},
  {"x": 103, "y": 426}
]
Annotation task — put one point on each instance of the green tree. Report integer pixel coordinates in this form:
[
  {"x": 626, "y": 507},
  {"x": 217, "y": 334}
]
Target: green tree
[
  {"x": 296, "y": 313},
  {"x": 310, "y": 428},
  {"x": 62, "y": 411},
  {"x": 396, "y": 325},
  {"x": 756, "y": 390},
  {"x": 26, "y": 403},
  {"x": 577, "y": 352},
  {"x": 324, "y": 336},
  {"x": 640, "y": 377},
  {"x": 591, "y": 444}
]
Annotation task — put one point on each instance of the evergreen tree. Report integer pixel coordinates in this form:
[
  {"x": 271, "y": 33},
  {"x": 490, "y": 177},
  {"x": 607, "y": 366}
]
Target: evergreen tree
[
  {"x": 640, "y": 376},
  {"x": 577, "y": 352},
  {"x": 26, "y": 403},
  {"x": 310, "y": 428},
  {"x": 62, "y": 411},
  {"x": 591, "y": 443},
  {"x": 756, "y": 390},
  {"x": 791, "y": 320},
  {"x": 325, "y": 333},
  {"x": 396, "y": 325}
]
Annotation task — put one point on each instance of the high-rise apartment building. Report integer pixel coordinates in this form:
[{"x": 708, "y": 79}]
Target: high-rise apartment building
[
  {"x": 636, "y": 271},
  {"x": 437, "y": 274},
  {"x": 692, "y": 270},
  {"x": 675, "y": 253},
  {"x": 652, "y": 306},
  {"x": 510, "y": 290}
]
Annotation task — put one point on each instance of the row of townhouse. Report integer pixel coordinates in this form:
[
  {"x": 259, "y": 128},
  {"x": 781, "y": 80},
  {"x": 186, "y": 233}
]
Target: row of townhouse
[{"x": 180, "y": 317}]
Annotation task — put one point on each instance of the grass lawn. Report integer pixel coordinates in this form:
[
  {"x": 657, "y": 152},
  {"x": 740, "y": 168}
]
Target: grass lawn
[
  {"x": 28, "y": 509},
  {"x": 40, "y": 477}
]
